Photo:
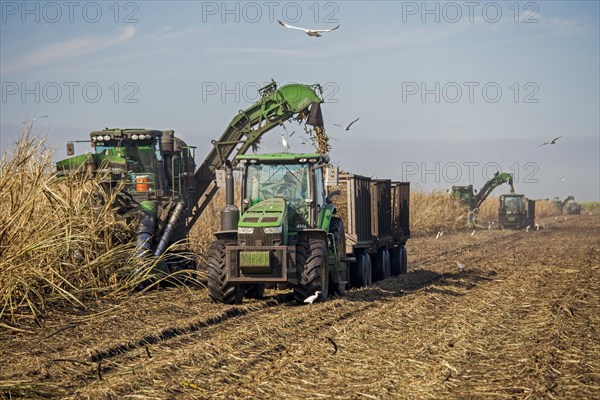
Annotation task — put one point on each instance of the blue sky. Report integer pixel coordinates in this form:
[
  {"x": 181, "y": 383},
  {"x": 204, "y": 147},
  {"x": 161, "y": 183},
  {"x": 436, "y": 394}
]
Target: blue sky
[{"x": 445, "y": 91}]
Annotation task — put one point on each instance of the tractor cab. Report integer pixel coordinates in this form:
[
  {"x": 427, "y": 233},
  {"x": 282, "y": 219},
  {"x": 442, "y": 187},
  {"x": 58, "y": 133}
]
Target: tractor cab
[
  {"x": 282, "y": 192},
  {"x": 512, "y": 204},
  {"x": 516, "y": 211}
]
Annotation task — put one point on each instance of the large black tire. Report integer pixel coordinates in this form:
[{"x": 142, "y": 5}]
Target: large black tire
[
  {"x": 339, "y": 236},
  {"x": 404, "y": 258},
  {"x": 313, "y": 273},
  {"x": 360, "y": 271},
  {"x": 381, "y": 265},
  {"x": 396, "y": 260},
  {"x": 218, "y": 289}
]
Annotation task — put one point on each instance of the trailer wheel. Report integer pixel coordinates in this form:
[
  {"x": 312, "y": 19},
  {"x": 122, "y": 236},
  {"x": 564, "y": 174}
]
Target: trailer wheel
[
  {"x": 396, "y": 261},
  {"x": 360, "y": 271},
  {"x": 382, "y": 268},
  {"x": 404, "y": 259},
  {"x": 311, "y": 264},
  {"x": 218, "y": 288}
]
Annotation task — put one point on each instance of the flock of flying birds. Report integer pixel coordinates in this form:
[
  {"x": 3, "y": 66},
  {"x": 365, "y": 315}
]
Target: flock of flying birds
[{"x": 317, "y": 33}]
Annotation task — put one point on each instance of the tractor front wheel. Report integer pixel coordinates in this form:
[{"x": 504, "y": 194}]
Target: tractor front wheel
[
  {"x": 311, "y": 266},
  {"x": 219, "y": 290}
]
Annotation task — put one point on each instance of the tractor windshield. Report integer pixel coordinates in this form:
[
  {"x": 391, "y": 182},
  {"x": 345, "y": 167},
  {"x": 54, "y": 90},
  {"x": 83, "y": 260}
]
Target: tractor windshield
[
  {"x": 264, "y": 181},
  {"x": 287, "y": 181},
  {"x": 512, "y": 204}
]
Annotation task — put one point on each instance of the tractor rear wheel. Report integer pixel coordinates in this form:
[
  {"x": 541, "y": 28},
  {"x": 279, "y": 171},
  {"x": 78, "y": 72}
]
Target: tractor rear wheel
[
  {"x": 339, "y": 243},
  {"x": 219, "y": 290},
  {"x": 311, "y": 266}
]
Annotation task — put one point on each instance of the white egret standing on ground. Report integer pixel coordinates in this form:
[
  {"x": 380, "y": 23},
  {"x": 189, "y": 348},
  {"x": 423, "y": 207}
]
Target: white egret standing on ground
[{"x": 311, "y": 299}]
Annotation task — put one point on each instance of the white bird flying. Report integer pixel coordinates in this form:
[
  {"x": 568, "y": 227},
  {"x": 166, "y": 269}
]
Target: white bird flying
[
  {"x": 562, "y": 178},
  {"x": 537, "y": 227},
  {"x": 527, "y": 228},
  {"x": 311, "y": 299},
  {"x": 553, "y": 141},
  {"x": 473, "y": 233},
  {"x": 284, "y": 142},
  {"x": 437, "y": 236},
  {"x": 489, "y": 226},
  {"x": 309, "y": 32},
  {"x": 461, "y": 267},
  {"x": 347, "y": 127}
]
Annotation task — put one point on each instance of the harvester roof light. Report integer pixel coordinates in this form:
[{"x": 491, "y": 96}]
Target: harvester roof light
[
  {"x": 134, "y": 137},
  {"x": 313, "y": 160},
  {"x": 106, "y": 137},
  {"x": 302, "y": 160},
  {"x": 94, "y": 138},
  {"x": 253, "y": 161},
  {"x": 243, "y": 161},
  {"x": 142, "y": 137}
]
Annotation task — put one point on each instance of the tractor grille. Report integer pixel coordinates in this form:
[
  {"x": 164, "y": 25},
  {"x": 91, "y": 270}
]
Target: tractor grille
[{"x": 259, "y": 238}]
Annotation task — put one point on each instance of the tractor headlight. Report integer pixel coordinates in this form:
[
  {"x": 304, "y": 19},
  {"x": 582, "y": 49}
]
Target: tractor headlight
[
  {"x": 134, "y": 137},
  {"x": 273, "y": 230},
  {"x": 246, "y": 231},
  {"x": 106, "y": 137},
  {"x": 142, "y": 137}
]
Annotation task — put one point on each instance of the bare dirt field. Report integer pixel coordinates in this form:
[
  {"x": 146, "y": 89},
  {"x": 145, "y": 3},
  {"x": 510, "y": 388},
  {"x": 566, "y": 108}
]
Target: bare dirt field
[{"x": 520, "y": 320}]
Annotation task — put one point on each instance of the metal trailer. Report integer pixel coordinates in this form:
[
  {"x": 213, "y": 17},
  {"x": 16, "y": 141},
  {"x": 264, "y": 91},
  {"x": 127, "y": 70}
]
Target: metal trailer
[{"x": 375, "y": 213}]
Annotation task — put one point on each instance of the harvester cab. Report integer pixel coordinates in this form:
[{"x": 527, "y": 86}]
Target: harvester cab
[
  {"x": 285, "y": 224},
  {"x": 464, "y": 194}
]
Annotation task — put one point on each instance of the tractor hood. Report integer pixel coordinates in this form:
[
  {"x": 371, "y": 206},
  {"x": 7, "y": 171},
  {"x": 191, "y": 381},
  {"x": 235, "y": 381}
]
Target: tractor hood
[{"x": 267, "y": 213}]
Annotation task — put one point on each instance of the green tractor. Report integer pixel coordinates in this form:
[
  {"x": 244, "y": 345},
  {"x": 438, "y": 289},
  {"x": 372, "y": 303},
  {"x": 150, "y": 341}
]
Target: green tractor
[
  {"x": 516, "y": 211},
  {"x": 285, "y": 233}
]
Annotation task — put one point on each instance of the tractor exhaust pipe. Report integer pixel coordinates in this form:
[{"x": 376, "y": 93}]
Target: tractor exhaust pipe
[{"x": 229, "y": 214}]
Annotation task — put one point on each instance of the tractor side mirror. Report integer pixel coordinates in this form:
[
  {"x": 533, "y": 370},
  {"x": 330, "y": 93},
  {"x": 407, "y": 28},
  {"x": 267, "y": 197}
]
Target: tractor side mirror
[{"x": 70, "y": 148}]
